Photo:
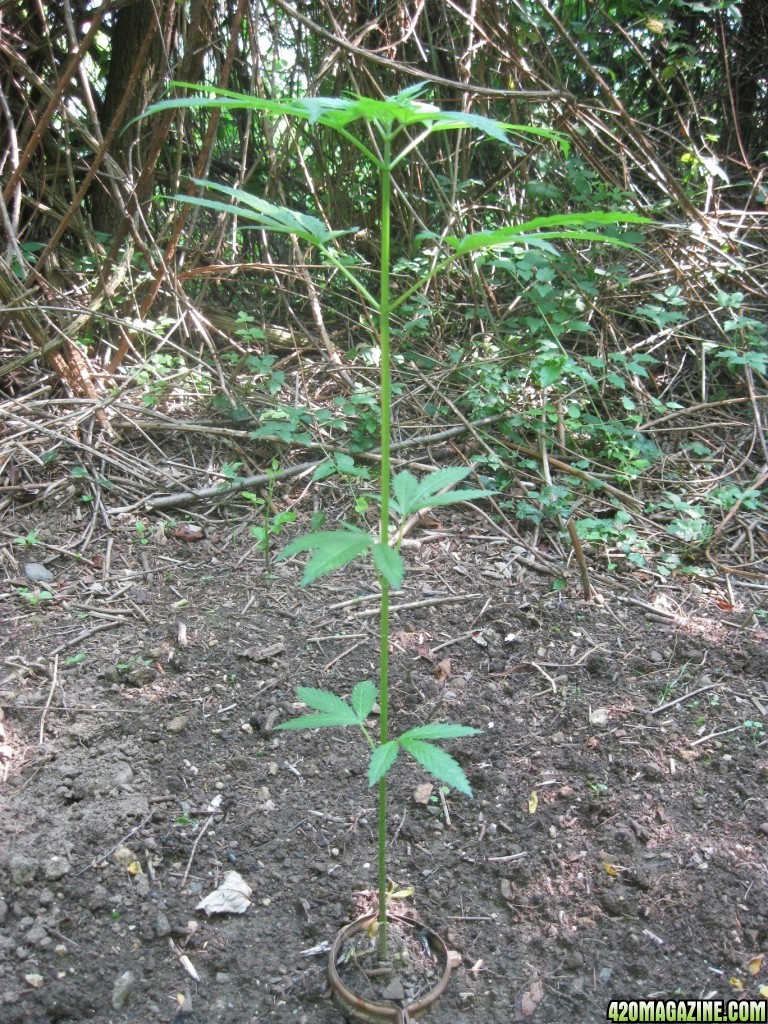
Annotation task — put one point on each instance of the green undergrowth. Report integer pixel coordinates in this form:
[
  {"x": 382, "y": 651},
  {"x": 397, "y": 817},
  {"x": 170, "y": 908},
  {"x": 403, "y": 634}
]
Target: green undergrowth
[
  {"x": 579, "y": 347},
  {"x": 555, "y": 393}
]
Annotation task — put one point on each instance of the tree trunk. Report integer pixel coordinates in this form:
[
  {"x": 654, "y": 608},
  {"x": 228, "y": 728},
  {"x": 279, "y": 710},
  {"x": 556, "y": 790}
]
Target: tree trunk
[
  {"x": 133, "y": 76},
  {"x": 749, "y": 133}
]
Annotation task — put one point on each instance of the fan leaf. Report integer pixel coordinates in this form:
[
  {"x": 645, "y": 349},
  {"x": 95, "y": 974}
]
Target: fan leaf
[
  {"x": 440, "y": 731},
  {"x": 319, "y": 721},
  {"x": 390, "y": 564},
  {"x": 333, "y": 549},
  {"x": 438, "y": 763},
  {"x": 563, "y": 225},
  {"x": 363, "y": 698},
  {"x": 381, "y": 761},
  {"x": 321, "y": 700}
]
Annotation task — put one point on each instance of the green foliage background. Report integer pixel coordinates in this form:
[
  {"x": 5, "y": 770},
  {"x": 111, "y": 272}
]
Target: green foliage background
[{"x": 588, "y": 354}]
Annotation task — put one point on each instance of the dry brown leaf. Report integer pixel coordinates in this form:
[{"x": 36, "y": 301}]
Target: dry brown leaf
[
  {"x": 428, "y": 522},
  {"x": 687, "y": 755},
  {"x": 442, "y": 670},
  {"x": 262, "y": 653},
  {"x": 755, "y": 964},
  {"x": 189, "y": 532},
  {"x": 531, "y": 999}
]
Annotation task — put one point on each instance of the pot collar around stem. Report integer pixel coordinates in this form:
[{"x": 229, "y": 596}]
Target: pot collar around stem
[{"x": 375, "y": 1012}]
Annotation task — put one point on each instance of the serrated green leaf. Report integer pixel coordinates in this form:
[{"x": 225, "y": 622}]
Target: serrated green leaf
[
  {"x": 335, "y": 554},
  {"x": 444, "y": 120},
  {"x": 334, "y": 111},
  {"x": 408, "y": 110},
  {"x": 325, "y": 469},
  {"x": 332, "y": 710},
  {"x": 344, "y": 462},
  {"x": 579, "y": 236},
  {"x": 438, "y": 763},
  {"x": 218, "y": 99},
  {"x": 541, "y": 228},
  {"x": 260, "y": 212},
  {"x": 446, "y": 477},
  {"x": 310, "y": 541},
  {"x": 411, "y": 495},
  {"x": 283, "y": 432},
  {"x": 363, "y": 698},
  {"x": 318, "y": 721},
  {"x": 409, "y": 492},
  {"x": 321, "y": 700},
  {"x": 280, "y": 219},
  {"x": 439, "y": 731},
  {"x": 381, "y": 761},
  {"x": 404, "y": 487},
  {"x": 412, "y": 92},
  {"x": 390, "y": 564},
  {"x": 333, "y": 549},
  {"x": 550, "y": 372},
  {"x": 451, "y": 497}
]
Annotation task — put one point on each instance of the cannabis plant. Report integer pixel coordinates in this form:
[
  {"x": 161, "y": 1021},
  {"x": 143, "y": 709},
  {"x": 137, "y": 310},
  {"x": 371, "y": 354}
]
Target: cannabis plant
[{"x": 395, "y": 128}]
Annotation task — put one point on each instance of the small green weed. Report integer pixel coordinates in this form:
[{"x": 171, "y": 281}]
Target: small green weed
[
  {"x": 343, "y": 464},
  {"x": 29, "y": 540},
  {"x": 35, "y": 597},
  {"x": 749, "y": 336},
  {"x": 287, "y": 423},
  {"x": 363, "y": 412},
  {"x": 132, "y": 663},
  {"x": 755, "y": 731},
  {"x": 689, "y": 523},
  {"x": 597, "y": 789},
  {"x": 272, "y": 522},
  {"x": 617, "y": 536}
]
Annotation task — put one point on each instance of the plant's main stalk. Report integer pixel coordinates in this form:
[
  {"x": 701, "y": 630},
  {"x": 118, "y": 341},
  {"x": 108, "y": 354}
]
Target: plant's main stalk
[{"x": 386, "y": 414}]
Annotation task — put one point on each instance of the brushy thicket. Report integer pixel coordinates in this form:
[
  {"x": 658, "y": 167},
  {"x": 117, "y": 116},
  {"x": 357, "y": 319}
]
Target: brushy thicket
[{"x": 622, "y": 390}]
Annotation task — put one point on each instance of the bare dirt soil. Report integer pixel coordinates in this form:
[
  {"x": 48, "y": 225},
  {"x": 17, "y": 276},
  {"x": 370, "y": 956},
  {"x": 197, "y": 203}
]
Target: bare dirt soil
[{"x": 615, "y": 847}]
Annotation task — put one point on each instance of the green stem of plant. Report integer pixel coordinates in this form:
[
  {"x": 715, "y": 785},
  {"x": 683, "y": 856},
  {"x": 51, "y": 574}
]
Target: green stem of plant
[
  {"x": 267, "y": 514},
  {"x": 352, "y": 278},
  {"x": 386, "y": 413},
  {"x": 423, "y": 280}
]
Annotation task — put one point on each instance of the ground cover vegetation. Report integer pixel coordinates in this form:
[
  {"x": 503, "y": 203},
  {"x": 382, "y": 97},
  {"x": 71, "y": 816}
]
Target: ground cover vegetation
[{"x": 196, "y": 350}]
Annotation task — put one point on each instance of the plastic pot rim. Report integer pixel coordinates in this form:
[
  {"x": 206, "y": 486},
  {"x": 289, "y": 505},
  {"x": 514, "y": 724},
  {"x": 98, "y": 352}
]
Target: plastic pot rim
[{"x": 369, "y": 1010}]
